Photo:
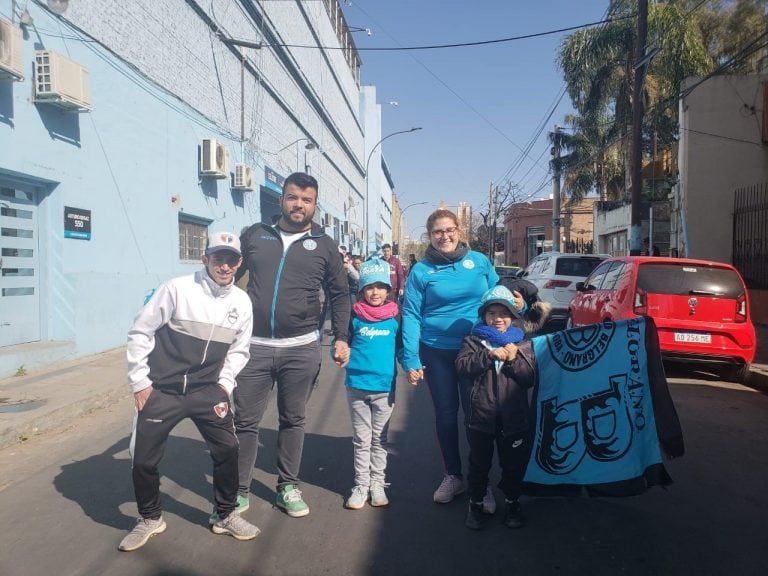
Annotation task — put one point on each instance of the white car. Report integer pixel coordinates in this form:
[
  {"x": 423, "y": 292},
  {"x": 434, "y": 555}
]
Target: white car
[{"x": 555, "y": 275}]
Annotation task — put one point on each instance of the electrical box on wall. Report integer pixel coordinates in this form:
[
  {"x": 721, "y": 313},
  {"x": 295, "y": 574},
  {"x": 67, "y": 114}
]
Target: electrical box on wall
[
  {"x": 214, "y": 159},
  {"x": 62, "y": 82},
  {"x": 243, "y": 177},
  {"x": 11, "y": 47}
]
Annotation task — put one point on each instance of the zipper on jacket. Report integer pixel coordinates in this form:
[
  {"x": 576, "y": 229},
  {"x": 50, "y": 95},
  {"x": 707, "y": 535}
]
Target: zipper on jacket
[{"x": 280, "y": 273}]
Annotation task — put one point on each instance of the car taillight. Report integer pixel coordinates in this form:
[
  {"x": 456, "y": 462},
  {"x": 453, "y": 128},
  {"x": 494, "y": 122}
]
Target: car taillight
[
  {"x": 741, "y": 308},
  {"x": 557, "y": 284},
  {"x": 640, "y": 305}
]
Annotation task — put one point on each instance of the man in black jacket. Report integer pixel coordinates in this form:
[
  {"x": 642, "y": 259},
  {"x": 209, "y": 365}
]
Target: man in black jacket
[{"x": 289, "y": 264}]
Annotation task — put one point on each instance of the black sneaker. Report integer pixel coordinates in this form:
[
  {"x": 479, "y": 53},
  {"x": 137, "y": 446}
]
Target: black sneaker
[
  {"x": 476, "y": 519},
  {"x": 513, "y": 516}
]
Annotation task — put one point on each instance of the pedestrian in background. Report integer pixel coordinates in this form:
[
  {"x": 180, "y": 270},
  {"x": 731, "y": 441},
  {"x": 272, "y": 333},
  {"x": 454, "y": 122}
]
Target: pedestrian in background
[
  {"x": 396, "y": 274},
  {"x": 370, "y": 381},
  {"x": 498, "y": 409},
  {"x": 185, "y": 348},
  {"x": 439, "y": 310},
  {"x": 289, "y": 264}
]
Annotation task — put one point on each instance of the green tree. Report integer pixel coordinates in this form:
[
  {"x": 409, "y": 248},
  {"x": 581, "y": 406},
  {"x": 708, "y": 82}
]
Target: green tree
[{"x": 599, "y": 69}]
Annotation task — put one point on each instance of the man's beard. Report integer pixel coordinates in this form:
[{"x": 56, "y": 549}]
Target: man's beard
[{"x": 303, "y": 224}]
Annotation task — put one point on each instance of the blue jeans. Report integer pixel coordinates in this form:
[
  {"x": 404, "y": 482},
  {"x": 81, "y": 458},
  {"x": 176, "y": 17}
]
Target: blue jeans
[{"x": 448, "y": 391}]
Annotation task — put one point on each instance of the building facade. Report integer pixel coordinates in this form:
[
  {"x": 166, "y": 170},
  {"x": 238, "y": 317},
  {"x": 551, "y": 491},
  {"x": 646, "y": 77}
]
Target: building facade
[
  {"x": 152, "y": 123},
  {"x": 528, "y": 229}
]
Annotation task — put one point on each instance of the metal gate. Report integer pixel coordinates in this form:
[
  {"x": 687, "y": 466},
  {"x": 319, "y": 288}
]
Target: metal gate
[
  {"x": 750, "y": 234},
  {"x": 19, "y": 277}
]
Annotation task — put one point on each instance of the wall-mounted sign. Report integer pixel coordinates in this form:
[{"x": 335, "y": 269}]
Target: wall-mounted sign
[
  {"x": 273, "y": 180},
  {"x": 77, "y": 223}
]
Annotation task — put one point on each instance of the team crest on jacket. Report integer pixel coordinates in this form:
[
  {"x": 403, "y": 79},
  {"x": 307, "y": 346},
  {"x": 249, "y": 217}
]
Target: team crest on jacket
[
  {"x": 309, "y": 244},
  {"x": 221, "y": 409},
  {"x": 232, "y": 315},
  {"x": 468, "y": 264}
]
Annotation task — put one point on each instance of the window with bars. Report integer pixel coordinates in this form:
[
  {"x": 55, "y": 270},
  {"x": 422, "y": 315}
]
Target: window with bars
[{"x": 193, "y": 236}]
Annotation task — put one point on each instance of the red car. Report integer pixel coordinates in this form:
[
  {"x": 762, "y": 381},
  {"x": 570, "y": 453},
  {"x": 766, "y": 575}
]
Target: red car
[{"x": 701, "y": 308}]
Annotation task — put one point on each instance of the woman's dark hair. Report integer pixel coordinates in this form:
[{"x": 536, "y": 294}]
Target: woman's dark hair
[{"x": 441, "y": 213}]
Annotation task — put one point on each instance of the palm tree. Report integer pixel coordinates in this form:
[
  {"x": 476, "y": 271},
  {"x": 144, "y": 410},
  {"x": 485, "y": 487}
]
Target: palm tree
[
  {"x": 593, "y": 158},
  {"x": 599, "y": 70}
]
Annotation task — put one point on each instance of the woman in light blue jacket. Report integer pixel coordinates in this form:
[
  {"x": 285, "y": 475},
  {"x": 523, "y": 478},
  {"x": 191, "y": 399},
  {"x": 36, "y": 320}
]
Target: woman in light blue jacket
[{"x": 441, "y": 298}]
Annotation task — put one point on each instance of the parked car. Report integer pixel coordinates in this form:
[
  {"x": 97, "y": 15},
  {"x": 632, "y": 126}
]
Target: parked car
[
  {"x": 701, "y": 308},
  {"x": 508, "y": 271},
  {"x": 555, "y": 274}
]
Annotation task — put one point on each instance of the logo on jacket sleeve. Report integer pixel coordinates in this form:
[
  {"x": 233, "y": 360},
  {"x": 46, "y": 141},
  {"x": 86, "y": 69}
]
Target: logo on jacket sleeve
[
  {"x": 468, "y": 264},
  {"x": 232, "y": 315},
  {"x": 221, "y": 409},
  {"x": 309, "y": 244}
]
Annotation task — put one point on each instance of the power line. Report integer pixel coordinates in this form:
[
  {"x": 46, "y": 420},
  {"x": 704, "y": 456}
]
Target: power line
[{"x": 459, "y": 44}]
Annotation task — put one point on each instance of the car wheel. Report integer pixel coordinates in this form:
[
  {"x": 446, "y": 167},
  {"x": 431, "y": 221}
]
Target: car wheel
[{"x": 738, "y": 374}]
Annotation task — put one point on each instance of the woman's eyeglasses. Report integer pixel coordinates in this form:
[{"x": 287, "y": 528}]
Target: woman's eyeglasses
[{"x": 444, "y": 232}]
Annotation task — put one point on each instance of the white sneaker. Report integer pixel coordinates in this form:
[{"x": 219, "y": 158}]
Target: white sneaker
[
  {"x": 379, "y": 494},
  {"x": 489, "y": 502},
  {"x": 449, "y": 488},
  {"x": 358, "y": 498}
]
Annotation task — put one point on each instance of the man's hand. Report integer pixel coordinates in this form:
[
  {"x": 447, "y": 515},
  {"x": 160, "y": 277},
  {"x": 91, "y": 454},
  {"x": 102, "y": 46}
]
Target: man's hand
[
  {"x": 511, "y": 351},
  {"x": 498, "y": 353},
  {"x": 140, "y": 398},
  {"x": 341, "y": 353},
  {"x": 415, "y": 375}
]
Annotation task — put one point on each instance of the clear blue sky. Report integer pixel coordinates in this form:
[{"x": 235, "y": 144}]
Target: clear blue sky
[{"x": 478, "y": 106}]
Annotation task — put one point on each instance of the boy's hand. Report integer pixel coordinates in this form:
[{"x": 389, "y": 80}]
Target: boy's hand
[
  {"x": 498, "y": 354},
  {"x": 415, "y": 375},
  {"x": 341, "y": 353},
  {"x": 511, "y": 351},
  {"x": 140, "y": 398}
]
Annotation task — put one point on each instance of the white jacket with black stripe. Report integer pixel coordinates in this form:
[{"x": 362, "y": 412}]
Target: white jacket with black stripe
[{"x": 191, "y": 332}]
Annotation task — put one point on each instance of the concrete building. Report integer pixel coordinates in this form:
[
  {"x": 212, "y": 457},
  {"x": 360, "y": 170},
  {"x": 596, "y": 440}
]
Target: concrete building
[
  {"x": 149, "y": 127},
  {"x": 723, "y": 145}
]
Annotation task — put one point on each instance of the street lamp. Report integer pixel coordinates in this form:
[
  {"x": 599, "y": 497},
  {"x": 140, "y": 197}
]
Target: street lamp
[
  {"x": 402, "y": 213},
  {"x": 311, "y": 145},
  {"x": 366, "y": 222}
]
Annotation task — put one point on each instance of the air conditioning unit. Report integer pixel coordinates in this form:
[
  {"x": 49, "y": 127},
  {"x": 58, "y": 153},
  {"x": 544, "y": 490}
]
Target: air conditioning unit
[
  {"x": 346, "y": 229},
  {"x": 60, "y": 81},
  {"x": 11, "y": 45},
  {"x": 214, "y": 159},
  {"x": 243, "y": 177},
  {"x": 327, "y": 220}
]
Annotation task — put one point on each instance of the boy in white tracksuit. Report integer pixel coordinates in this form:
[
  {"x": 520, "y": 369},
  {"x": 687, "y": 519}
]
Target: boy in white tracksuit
[{"x": 185, "y": 348}]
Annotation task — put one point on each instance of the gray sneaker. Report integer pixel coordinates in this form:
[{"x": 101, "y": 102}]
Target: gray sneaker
[
  {"x": 144, "y": 530},
  {"x": 237, "y": 527},
  {"x": 358, "y": 498},
  {"x": 378, "y": 494}
]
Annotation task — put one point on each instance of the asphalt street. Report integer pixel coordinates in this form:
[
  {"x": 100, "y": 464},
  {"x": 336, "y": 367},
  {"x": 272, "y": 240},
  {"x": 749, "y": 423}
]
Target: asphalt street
[{"x": 66, "y": 502}]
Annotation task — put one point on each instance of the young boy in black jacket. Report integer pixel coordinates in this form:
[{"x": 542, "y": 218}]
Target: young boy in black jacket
[{"x": 498, "y": 414}]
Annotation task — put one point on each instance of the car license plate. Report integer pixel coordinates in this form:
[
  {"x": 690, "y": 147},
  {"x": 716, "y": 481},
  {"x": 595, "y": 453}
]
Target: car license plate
[{"x": 693, "y": 337}]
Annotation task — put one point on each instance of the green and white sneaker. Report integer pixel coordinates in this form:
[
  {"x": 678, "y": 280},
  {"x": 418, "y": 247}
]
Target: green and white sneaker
[
  {"x": 289, "y": 499},
  {"x": 242, "y": 505}
]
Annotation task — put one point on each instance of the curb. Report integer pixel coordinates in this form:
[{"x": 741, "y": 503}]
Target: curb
[{"x": 60, "y": 418}]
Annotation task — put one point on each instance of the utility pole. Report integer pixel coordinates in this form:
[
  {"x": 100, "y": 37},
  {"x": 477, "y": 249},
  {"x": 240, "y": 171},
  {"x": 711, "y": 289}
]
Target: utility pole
[
  {"x": 635, "y": 228},
  {"x": 556, "y": 192},
  {"x": 488, "y": 222}
]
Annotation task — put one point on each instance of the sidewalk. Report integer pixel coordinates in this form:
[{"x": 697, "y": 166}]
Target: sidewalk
[{"x": 54, "y": 398}]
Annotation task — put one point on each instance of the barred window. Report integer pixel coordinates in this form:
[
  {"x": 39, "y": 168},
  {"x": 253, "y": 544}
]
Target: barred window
[{"x": 193, "y": 236}]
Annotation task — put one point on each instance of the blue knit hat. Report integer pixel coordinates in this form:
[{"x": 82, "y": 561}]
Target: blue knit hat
[
  {"x": 372, "y": 271},
  {"x": 498, "y": 295}
]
